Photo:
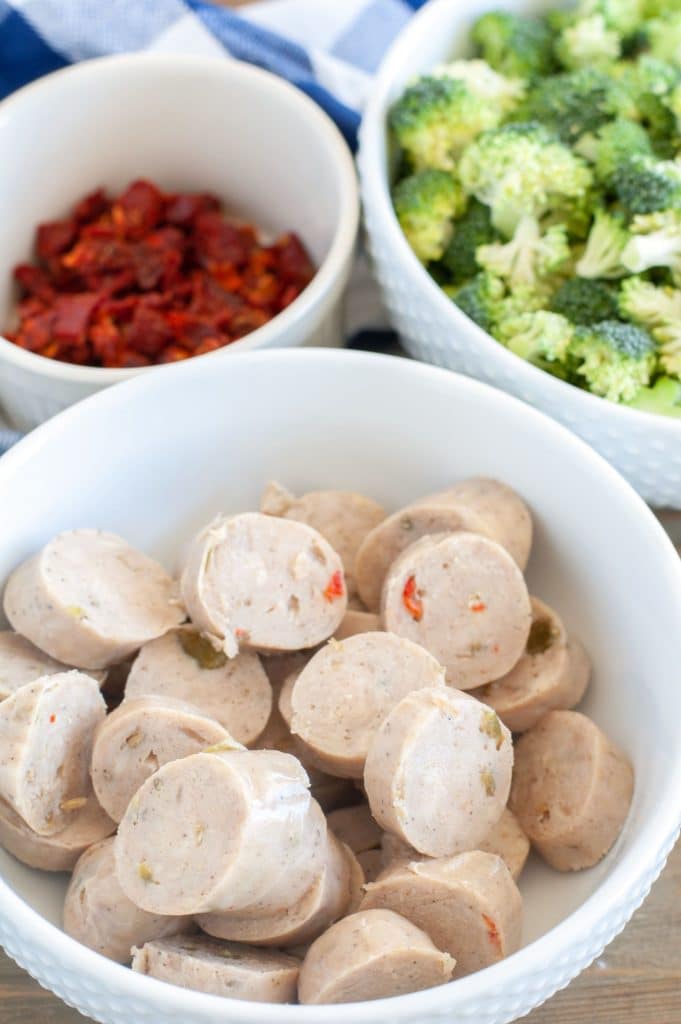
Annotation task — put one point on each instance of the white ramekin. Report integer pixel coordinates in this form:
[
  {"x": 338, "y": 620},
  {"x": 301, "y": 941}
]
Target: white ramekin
[
  {"x": 645, "y": 448},
  {"x": 189, "y": 124},
  {"x": 159, "y": 456}
]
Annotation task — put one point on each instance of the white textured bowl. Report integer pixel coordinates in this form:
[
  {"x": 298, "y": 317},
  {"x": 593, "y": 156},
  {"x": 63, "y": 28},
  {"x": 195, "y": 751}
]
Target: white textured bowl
[
  {"x": 189, "y": 124},
  {"x": 156, "y": 457},
  {"x": 645, "y": 448}
]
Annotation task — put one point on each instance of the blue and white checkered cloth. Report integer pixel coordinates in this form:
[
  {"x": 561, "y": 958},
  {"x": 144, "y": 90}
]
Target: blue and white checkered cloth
[{"x": 328, "y": 48}]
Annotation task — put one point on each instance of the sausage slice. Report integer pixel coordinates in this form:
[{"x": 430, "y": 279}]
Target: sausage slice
[
  {"x": 327, "y": 899},
  {"x": 500, "y": 511},
  {"x": 572, "y": 788},
  {"x": 357, "y": 622},
  {"x": 552, "y": 674},
  {"x": 223, "y": 831},
  {"x": 58, "y": 852},
  {"x": 21, "y": 663},
  {"x": 469, "y": 905},
  {"x": 138, "y": 738},
  {"x": 184, "y": 665},
  {"x": 98, "y": 913},
  {"x": 46, "y": 731},
  {"x": 344, "y": 518},
  {"x": 438, "y": 771},
  {"x": 373, "y": 954},
  {"x": 344, "y": 693},
  {"x": 390, "y": 538},
  {"x": 89, "y": 599},
  {"x": 464, "y": 599},
  {"x": 220, "y": 968},
  {"x": 263, "y": 583},
  {"x": 356, "y": 827}
]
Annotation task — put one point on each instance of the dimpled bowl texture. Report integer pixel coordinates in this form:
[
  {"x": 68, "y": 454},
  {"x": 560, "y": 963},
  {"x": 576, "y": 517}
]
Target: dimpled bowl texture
[
  {"x": 159, "y": 456},
  {"x": 188, "y": 124},
  {"x": 645, "y": 448}
]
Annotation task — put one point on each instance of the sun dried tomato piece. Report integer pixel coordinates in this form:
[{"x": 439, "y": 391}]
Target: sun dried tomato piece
[
  {"x": 246, "y": 321},
  {"x": 138, "y": 210},
  {"x": 34, "y": 281},
  {"x": 35, "y": 332},
  {"x": 217, "y": 243},
  {"x": 91, "y": 206},
  {"x": 106, "y": 340},
  {"x": 295, "y": 266},
  {"x": 173, "y": 354},
  {"x": 210, "y": 344},
  {"x": 53, "y": 238},
  {"x": 261, "y": 291},
  {"x": 148, "y": 332},
  {"x": 72, "y": 315},
  {"x": 182, "y": 209}
]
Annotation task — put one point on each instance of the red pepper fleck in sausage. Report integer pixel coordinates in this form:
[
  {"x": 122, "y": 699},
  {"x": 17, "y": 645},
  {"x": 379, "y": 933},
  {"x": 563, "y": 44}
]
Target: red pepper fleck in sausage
[
  {"x": 334, "y": 587},
  {"x": 411, "y": 600}
]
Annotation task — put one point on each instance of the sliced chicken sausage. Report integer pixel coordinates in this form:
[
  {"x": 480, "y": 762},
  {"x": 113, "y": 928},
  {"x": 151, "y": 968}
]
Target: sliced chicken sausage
[
  {"x": 21, "y": 663},
  {"x": 469, "y": 905},
  {"x": 464, "y": 599},
  {"x": 344, "y": 518},
  {"x": 327, "y": 899},
  {"x": 263, "y": 583},
  {"x": 89, "y": 599},
  {"x": 373, "y": 954},
  {"x": 357, "y": 622},
  {"x": 572, "y": 789},
  {"x": 356, "y": 827},
  {"x": 345, "y": 692},
  {"x": 220, "y": 968},
  {"x": 552, "y": 674},
  {"x": 98, "y": 913},
  {"x": 59, "y": 852},
  {"x": 438, "y": 771},
  {"x": 138, "y": 738},
  {"x": 46, "y": 731},
  {"x": 223, "y": 831}
]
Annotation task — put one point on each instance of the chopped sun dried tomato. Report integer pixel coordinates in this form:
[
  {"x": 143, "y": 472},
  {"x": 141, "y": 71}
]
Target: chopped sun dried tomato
[
  {"x": 151, "y": 278},
  {"x": 412, "y": 600},
  {"x": 334, "y": 588}
]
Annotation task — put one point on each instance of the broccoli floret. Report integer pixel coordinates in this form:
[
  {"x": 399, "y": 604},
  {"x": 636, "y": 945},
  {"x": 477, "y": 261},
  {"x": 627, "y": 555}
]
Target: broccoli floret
[
  {"x": 615, "y": 359},
  {"x": 602, "y": 257},
  {"x": 484, "y": 82},
  {"x": 574, "y": 103},
  {"x": 479, "y": 299},
  {"x": 664, "y": 398},
  {"x": 587, "y": 43},
  {"x": 515, "y": 45},
  {"x": 540, "y": 337},
  {"x": 426, "y": 204},
  {"x": 655, "y": 242},
  {"x": 473, "y": 229},
  {"x": 522, "y": 170},
  {"x": 624, "y": 16},
  {"x": 613, "y": 145},
  {"x": 649, "y": 82},
  {"x": 664, "y": 37},
  {"x": 585, "y": 302},
  {"x": 658, "y": 309},
  {"x": 645, "y": 185},
  {"x": 437, "y": 117},
  {"x": 528, "y": 257},
  {"x": 647, "y": 304}
]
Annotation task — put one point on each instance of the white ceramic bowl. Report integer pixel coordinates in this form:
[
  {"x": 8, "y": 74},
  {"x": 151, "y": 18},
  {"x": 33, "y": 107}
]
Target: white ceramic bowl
[
  {"x": 189, "y": 124},
  {"x": 160, "y": 455},
  {"x": 645, "y": 448}
]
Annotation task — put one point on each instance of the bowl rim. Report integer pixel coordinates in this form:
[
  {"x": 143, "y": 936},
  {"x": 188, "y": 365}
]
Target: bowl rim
[
  {"x": 375, "y": 190},
  {"x": 281, "y": 91},
  {"x": 623, "y": 888}
]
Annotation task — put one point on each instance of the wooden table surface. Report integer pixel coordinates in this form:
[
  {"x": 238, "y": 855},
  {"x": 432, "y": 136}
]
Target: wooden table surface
[{"x": 637, "y": 980}]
